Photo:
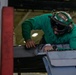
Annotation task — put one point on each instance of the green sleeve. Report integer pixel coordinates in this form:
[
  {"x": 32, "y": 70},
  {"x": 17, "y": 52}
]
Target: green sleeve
[
  {"x": 73, "y": 43},
  {"x": 26, "y": 30}
]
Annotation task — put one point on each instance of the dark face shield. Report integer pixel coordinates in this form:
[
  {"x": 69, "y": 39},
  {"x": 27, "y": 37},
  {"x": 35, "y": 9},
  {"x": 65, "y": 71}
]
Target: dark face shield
[{"x": 61, "y": 29}]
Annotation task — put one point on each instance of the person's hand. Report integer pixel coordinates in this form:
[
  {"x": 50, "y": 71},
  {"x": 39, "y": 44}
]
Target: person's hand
[
  {"x": 48, "y": 48},
  {"x": 30, "y": 43}
]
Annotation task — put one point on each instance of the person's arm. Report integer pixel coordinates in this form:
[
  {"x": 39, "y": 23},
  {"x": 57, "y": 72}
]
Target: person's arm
[
  {"x": 26, "y": 32},
  {"x": 72, "y": 43},
  {"x": 35, "y": 23}
]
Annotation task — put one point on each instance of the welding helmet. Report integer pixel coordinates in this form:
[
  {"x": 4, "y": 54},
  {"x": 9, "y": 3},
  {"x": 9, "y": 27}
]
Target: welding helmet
[{"x": 62, "y": 21}]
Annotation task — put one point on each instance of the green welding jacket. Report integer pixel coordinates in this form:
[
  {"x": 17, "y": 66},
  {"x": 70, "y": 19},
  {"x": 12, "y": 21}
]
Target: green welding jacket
[{"x": 42, "y": 22}]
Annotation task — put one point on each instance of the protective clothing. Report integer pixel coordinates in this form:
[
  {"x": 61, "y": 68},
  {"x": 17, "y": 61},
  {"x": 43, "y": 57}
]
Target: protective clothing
[{"x": 43, "y": 22}]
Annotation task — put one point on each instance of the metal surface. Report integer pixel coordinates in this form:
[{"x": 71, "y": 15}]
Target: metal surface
[
  {"x": 57, "y": 63},
  {"x": 25, "y": 60},
  {"x": 22, "y": 52},
  {"x": 47, "y": 65}
]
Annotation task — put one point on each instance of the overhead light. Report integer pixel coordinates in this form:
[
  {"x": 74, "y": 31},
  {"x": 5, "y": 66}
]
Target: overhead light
[
  {"x": 34, "y": 34},
  {"x": 24, "y": 42}
]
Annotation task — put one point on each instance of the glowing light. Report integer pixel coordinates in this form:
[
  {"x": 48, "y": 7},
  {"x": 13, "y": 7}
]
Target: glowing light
[
  {"x": 34, "y": 34},
  {"x": 24, "y": 42}
]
